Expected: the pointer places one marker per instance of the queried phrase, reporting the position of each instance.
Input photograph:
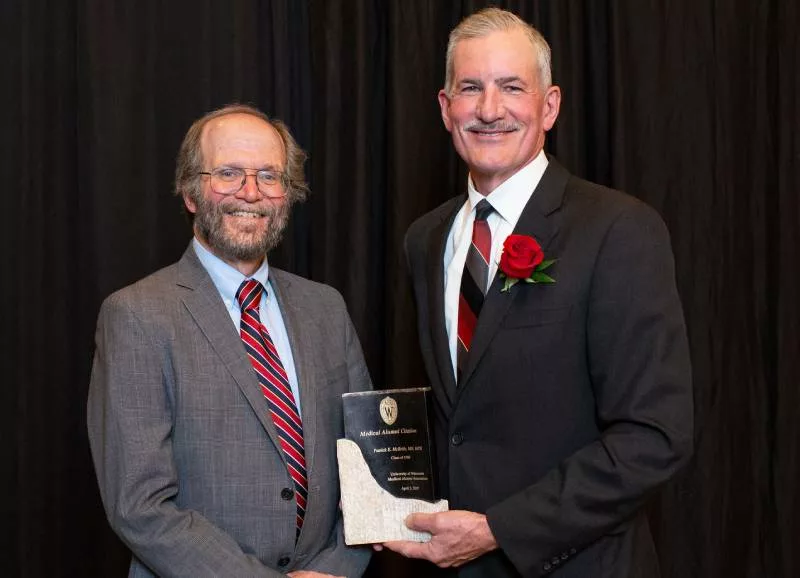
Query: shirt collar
(510, 198)
(227, 279)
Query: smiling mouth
(245, 214)
(491, 132)
(489, 136)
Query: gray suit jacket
(190, 470)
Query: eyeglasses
(230, 180)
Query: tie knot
(483, 209)
(249, 294)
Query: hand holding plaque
(386, 464)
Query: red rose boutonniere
(523, 260)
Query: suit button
(546, 567)
(564, 556)
(284, 561)
(555, 561)
(456, 439)
(573, 551)
(287, 494)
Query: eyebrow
(507, 79)
(464, 81)
(501, 80)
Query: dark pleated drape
(691, 105)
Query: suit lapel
(435, 276)
(207, 309)
(301, 343)
(537, 220)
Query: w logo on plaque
(388, 409)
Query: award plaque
(386, 464)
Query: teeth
(244, 214)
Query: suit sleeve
(641, 377)
(130, 424)
(337, 558)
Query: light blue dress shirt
(227, 281)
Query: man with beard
(214, 402)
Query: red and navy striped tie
(474, 281)
(275, 386)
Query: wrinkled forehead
(498, 54)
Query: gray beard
(208, 222)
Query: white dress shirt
(508, 200)
(227, 281)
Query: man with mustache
(552, 334)
(214, 402)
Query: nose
(249, 191)
(490, 105)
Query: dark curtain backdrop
(693, 105)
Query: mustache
(476, 125)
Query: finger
(406, 548)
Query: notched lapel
(538, 220)
(204, 304)
(435, 276)
(302, 344)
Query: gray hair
(491, 20)
(190, 155)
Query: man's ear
(550, 107)
(191, 206)
(444, 104)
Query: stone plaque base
(371, 514)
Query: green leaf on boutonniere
(545, 264)
(539, 277)
(508, 283)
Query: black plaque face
(391, 427)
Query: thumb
(420, 522)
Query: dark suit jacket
(576, 400)
(190, 468)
